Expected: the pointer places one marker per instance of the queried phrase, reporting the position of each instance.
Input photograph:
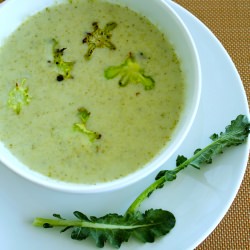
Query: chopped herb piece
(99, 38)
(130, 72)
(84, 115)
(19, 96)
(64, 68)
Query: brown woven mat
(229, 20)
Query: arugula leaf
(146, 227)
(113, 228)
(235, 134)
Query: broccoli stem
(99, 38)
(18, 97)
(84, 115)
(130, 72)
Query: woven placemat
(229, 20)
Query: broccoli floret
(84, 115)
(64, 68)
(18, 97)
(130, 72)
(99, 38)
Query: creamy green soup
(133, 123)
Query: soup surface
(44, 64)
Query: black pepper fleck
(60, 78)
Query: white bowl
(14, 12)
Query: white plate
(198, 198)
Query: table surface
(229, 20)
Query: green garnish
(235, 134)
(64, 68)
(18, 97)
(113, 228)
(130, 72)
(99, 38)
(146, 227)
(84, 115)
